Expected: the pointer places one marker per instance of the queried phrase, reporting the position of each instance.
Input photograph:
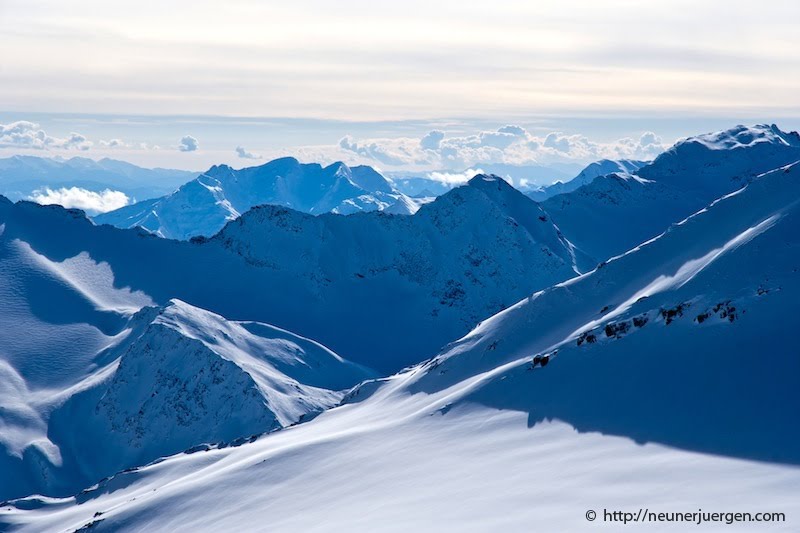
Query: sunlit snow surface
(666, 379)
(95, 378)
(366, 468)
(203, 205)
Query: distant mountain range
(423, 185)
(203, 206)
(603, 167)
(21, 175)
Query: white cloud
(383, 153)
(509, 145)
(76, 141)
(456, 178)
(244, 154)
(75, 197)
(24, 134)
(556, 141)
(29, 135)
(432, 140)
(514, 130)
(113, 143)
(497, 139)
(648, 146)
(188, 144)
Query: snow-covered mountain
(95, 379)
(603, 167)
(424, 185)
(644, 382)
(419, 186)
(203, 206)
(21, 175)
(461, 258)
(614, 213)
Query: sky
(410, 85)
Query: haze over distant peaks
(203, 206)
(21, 175)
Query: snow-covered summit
(741, 136)
(159, 382)
(610, 215)
(203, 206)
(717, 162)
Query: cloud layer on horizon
(28, 135)
(510, 144)
(79, 198)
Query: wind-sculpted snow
(461, 258)
(203, 206)
(614, 213)
(660, 343)
(666, 378)
(95, 380)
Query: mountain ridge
(612, 214)
(202, 207)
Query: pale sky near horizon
(462, 67)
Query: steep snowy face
(687, 340)
(183, 377)
(464, 256)
(93, 379)
(203, 206)
(614, 213)
(594, 170)
(717, 163)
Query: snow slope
(461, 258)
(614, 213)
(94, 379)
(204, 205)
(670, 382)
(594, 170)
